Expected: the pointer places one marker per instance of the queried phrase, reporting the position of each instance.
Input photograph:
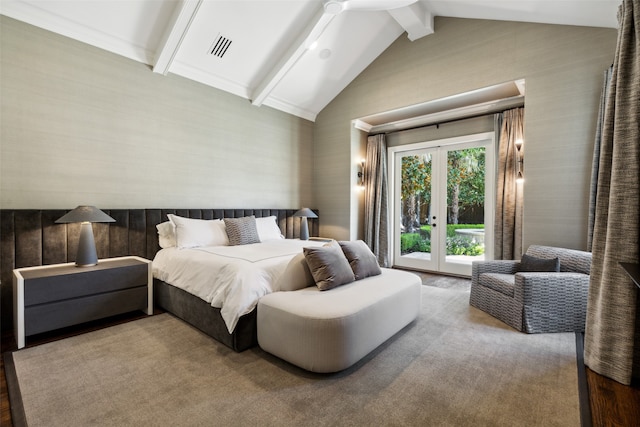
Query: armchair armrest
(497, 266)
(552, 302)
(563, 288)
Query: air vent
(220, 46)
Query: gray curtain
(596, 156)
(611, 334)
(376, 206)
(509, 199)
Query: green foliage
(456, 244)
(414, 242)
(416, 176)
(465, 173)
(465, 183)
(459, 245)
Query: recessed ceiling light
(324, 53)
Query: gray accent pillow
(362, 261)
(242, 231)
(532, 264)
(328, 266)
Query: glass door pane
(465, 214)
(414, 204)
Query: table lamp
(304, 213)
(85, 215)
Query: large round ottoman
(328, 331)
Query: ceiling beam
(172, 39)
(302, 43)
(415, 19)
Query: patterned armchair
(535, 302)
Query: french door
(443, 200)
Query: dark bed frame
(31, 237)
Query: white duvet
(231, 278)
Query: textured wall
(84, 126)
(563, 69)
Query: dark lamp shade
(86, 256)
(305, 212)
(85, 214)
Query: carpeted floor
(447, 282)
(454, 366)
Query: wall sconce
(361, 174)
(304, 213)
(520, 160)
(85, 215)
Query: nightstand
(50, 297)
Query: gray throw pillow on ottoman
(362, 261)
(328, 266)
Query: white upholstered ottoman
(328, 331)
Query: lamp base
(304, 229)
(86, 256)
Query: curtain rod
(437, 124)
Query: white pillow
(296, 276)
(193, 233)
(268, 229)
(166, 234)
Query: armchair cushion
(500, 282)
(531, 263)
(497, 266)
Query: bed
(31, 237)
(228, 263)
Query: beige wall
(563, 69)
(83, 126)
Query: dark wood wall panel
(31, 238)
(137, 233)
(28, 238)
(54, 242)
(118, 240)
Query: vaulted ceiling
(292, 55)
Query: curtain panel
(612, 325)
(509, 198)
(376, 204)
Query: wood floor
(612, 404)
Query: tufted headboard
(31, 237)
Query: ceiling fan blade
(374, 5)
